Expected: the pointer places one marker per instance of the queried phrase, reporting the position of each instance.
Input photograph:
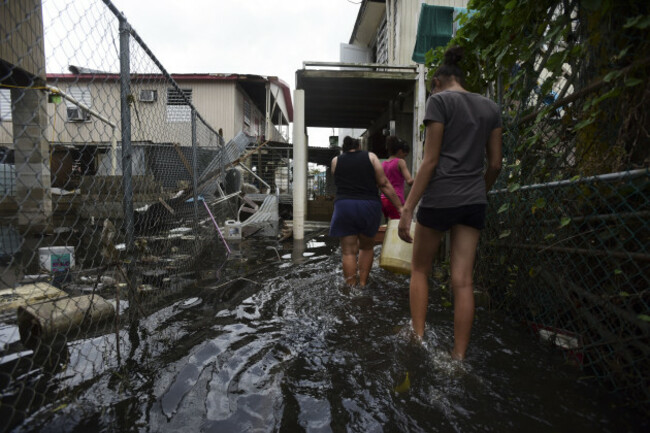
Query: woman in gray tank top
(462, 129)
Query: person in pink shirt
(397, 173)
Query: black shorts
(442, 219)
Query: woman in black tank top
(357, 208)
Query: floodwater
(271, 341)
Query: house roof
(254, 85)
(368, 19)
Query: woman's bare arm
(383, 183)
(405, 172)
(432, 146)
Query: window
(381, 47)
(74, 112)
(178, 108)
(5, 105)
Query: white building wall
(215, 100)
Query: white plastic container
(395, 253)
(232, 230)
(56, 259)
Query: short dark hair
(350, 143)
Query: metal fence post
(127, 157)
(125, 115)
(195, 170)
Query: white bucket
(395, 253)
(56, 259)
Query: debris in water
(404, 386)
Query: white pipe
(255, 175)
(601, 177)
(299, 165)
(90, 111)
(114, 152)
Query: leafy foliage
(570, 78)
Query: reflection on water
(268, 345)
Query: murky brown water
(288, 348)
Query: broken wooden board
(11, 299)
(47, 321)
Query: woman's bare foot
(457, 356)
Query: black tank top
(354, 177)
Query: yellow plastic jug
(395, 253)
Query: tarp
(435, 29)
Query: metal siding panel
(214, 100)
(229, 111)
(25, 47)
(238, 113)
(408, 30)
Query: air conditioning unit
(148, 95)
(76, 114)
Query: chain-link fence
(112, 184)
(566, 248)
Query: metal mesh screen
(566, 245)
(111, 186)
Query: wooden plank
(184, 160)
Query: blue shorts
(442, 219)
(353, 217)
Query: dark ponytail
(450, 66)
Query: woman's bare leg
(366, 257)
(349, 250)
(464, 240)
(425, 247)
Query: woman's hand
(404, 227)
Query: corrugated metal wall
(22, 19)
(216, 102)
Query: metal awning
(354, 97)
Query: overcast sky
(264, 37)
